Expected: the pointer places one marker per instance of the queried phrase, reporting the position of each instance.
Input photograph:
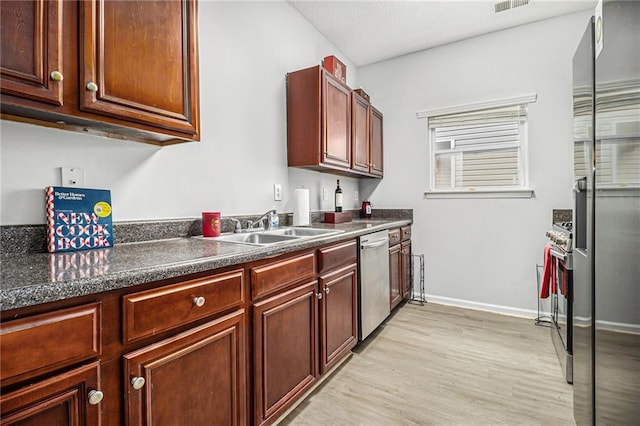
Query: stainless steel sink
(281, 235)
(256, 238)
(304, 232)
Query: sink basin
(304, 232)
(256, 238)
(280, 235)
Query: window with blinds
(483, 149)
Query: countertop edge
(41, 293)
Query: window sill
(479, 193)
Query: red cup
(211, 224)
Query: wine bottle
(338, 197)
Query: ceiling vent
(509, 4)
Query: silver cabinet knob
(95, 397)
(327, 290)
(56, 76)
(138, 382)
(92, 87)
(199, 301)
(319, 296)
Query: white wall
(480, 251)
(246, 48)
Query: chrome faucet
(254, 226)
(251, 225)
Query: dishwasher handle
(374, 244)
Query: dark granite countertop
(29, 279)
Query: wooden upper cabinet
(126, 69)
(375, 129)
(318, 121)
(359, 133)
(31, 59)
(331, 128)
(336, 122)
(139, 62)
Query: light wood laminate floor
(442, 365)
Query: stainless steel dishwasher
(374, 297)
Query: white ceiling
(369, 31)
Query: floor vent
(509, 4)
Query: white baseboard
(505, 310)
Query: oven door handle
(559, 255)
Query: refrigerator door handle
(580, 184)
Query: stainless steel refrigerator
(606, 106)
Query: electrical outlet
(325, 194)
(277, 192)
(72, 176)
(357, 196)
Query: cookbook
(78, 218)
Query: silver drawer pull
(95, 397)
(138, 382)
(199, 301)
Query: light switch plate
(357, 197)
(72, 176)
(277, 192)
(325, 194)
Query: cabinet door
(406, 269)
(359, 133)
(338, 315)
(31, 34)
(395, 275)
(285, 347)
(71, 398)
(147, 70)
(376, 142)
(194, 378)
(336, 122)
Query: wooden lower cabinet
(338, 315)
(395, 275)
(285, 342)
(405, 250)
(71, 398)
(194, 378)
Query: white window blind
(482, 149)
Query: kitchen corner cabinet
(61, 66)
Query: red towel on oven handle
(549, 275)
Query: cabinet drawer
(43, 343)
(394, 236)
(337, 255)
(269, 278)
(405, 232)
(150, 312)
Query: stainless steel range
(561, 294)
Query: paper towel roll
(301, 207)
